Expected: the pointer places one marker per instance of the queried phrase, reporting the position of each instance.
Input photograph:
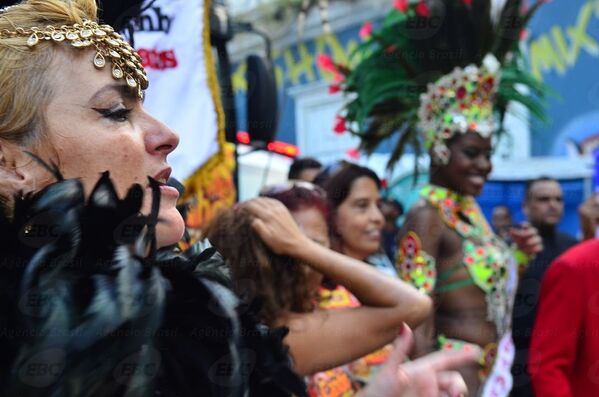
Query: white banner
(169, 36)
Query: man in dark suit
(543, 205)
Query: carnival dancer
(441, 74)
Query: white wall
(258, 169)
(315, 112)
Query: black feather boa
(88, 308)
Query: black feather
(111, 321)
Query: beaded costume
(487, 258)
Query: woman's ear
(18, 171)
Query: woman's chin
(170, 228)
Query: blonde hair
(24, 75)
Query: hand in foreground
(527, 239)
(588, 213)
(430, 376)
(275, 226)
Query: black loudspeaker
(262, 103)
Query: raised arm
(326, 339)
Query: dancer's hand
(433, 375)
(527, 239)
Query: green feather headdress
(400, 68)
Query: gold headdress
(109, 45)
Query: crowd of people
(312, 289)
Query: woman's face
(359, 221)
(95, 124)
(314, 225)
(469, 165)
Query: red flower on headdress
(384, 184)
(467, 2)
(366, 30)
(326, 63)
(422, 9)
(334, 88)
(488, 84)
(353, 153)
(339, 125)
(401, 5)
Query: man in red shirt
(564, 351)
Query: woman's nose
(159, 138)
(484, 163)
(376, 215)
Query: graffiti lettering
(303, 66)
(295, 67)
(547, 54)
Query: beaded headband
(458, 102)
(126, 62)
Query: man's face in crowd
(502, 220)
(390, 213)
(544, 205)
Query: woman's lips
(373, 234)
(169, 191)
(477, 180)
(166, 191)
(163, 175)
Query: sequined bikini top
(486, 257)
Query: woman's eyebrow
(121, 89)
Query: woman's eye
(362, 205)
(119, 114)
(470, 153)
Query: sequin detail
(415, 266)
(486, 257)
(487, 356)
